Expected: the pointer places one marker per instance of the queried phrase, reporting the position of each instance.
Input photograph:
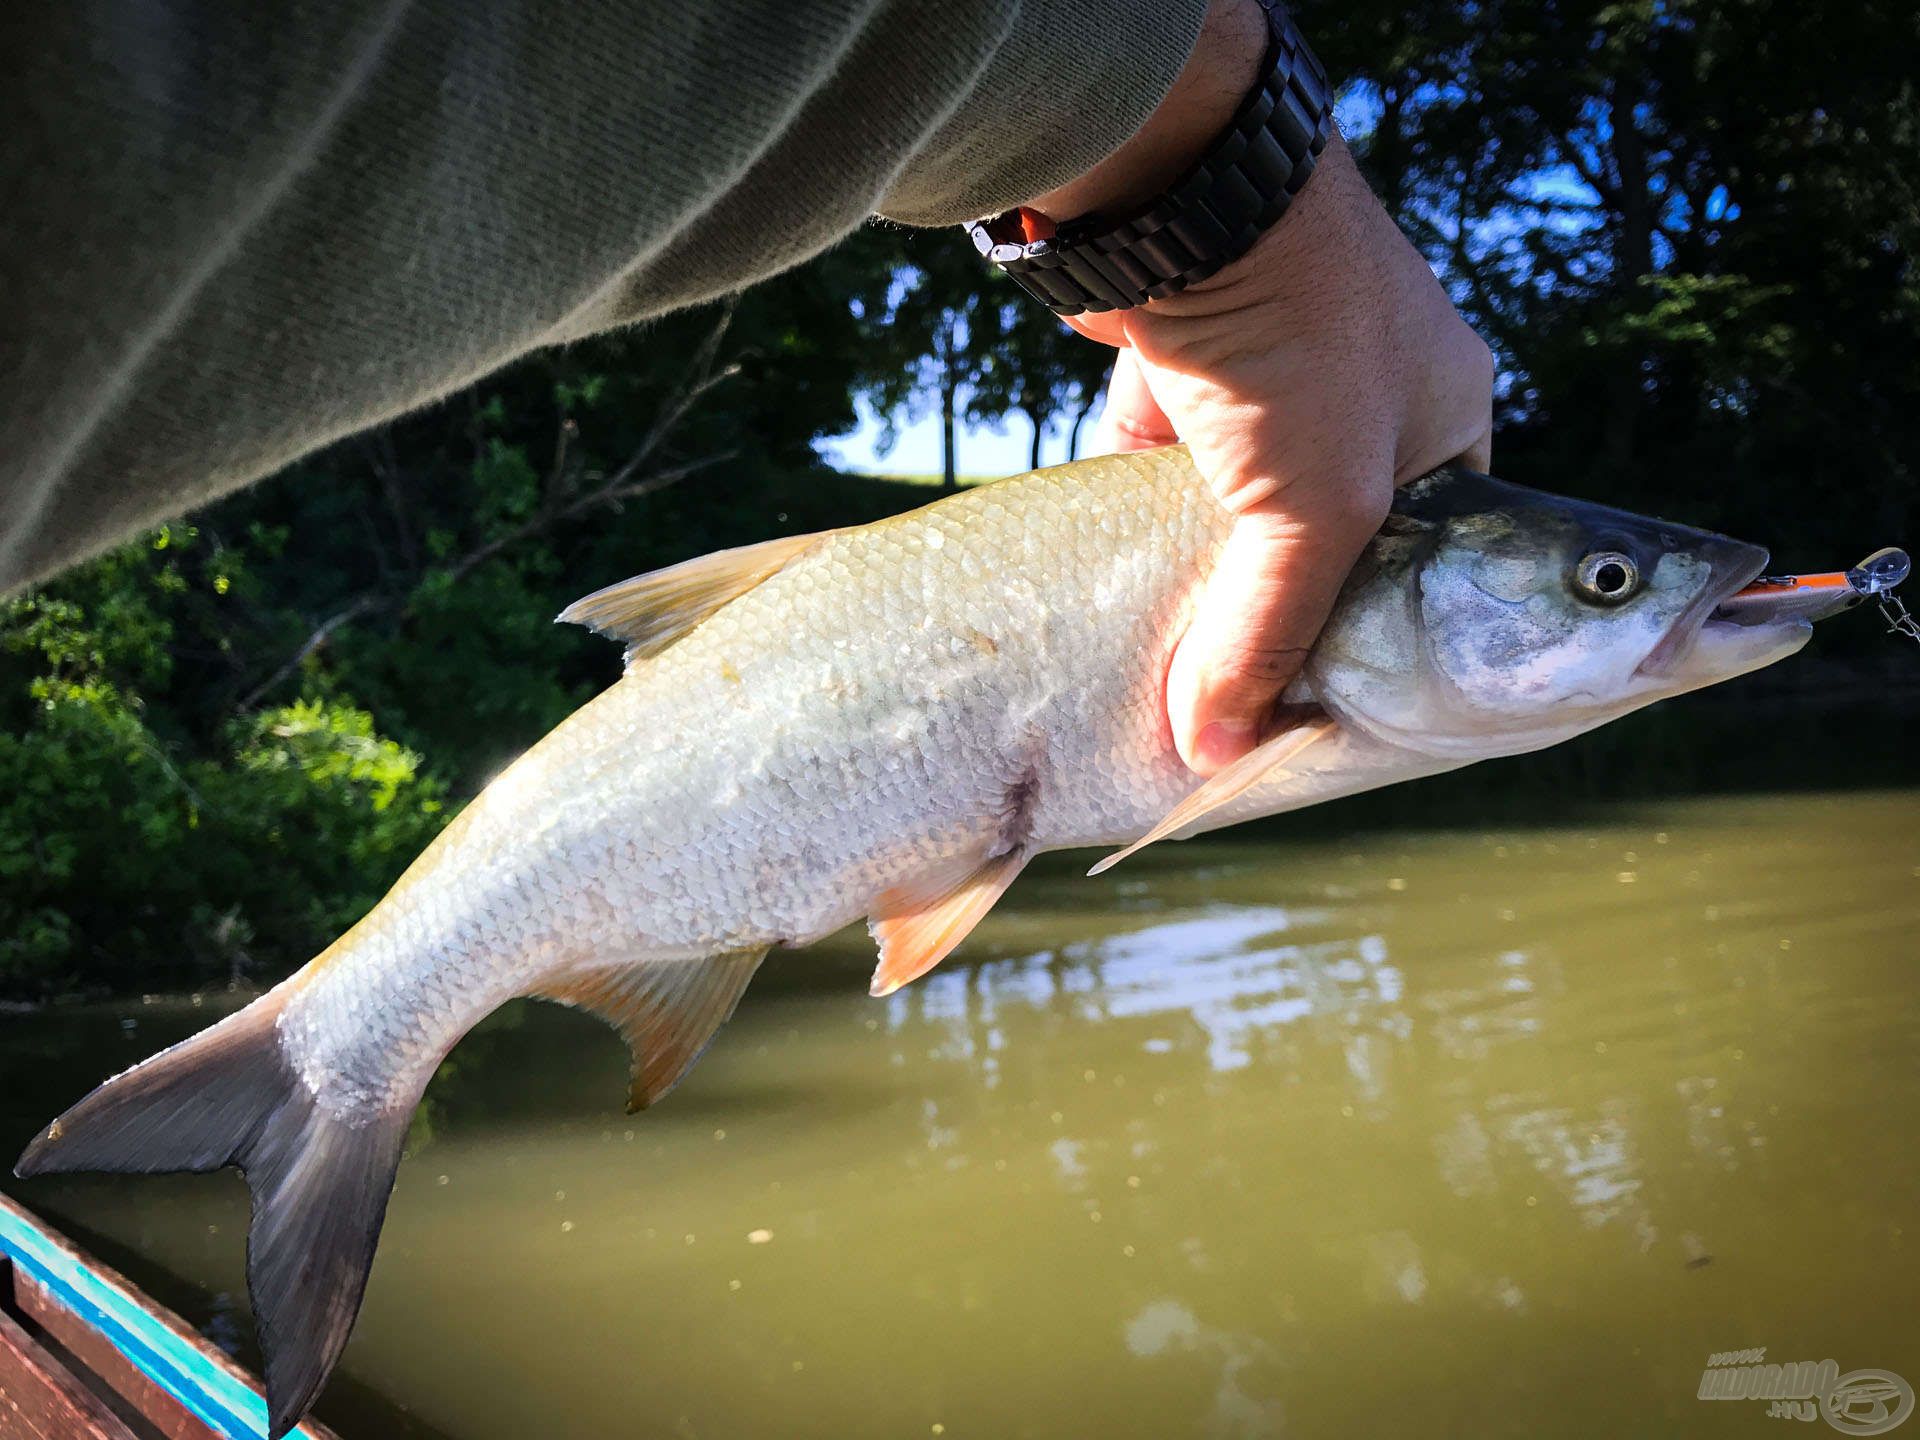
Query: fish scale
(827, 767)
(886, 721)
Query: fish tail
(320, 1182)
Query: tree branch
(365, 605)
(559, 500)
(566, 428)
(703, 379)
(613, 493)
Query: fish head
(1489, 619)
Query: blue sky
(984, 450)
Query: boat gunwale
(159, 1346)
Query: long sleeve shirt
(231, 231)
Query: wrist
(1226, 193)
(1335, 233)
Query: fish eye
(1607, 577)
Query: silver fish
(887, 721)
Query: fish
(886, 721)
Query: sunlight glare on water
(1464, 1132)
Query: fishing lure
(1817, 596)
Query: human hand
(1309, 377)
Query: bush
(129, 861)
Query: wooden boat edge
(152, 1343)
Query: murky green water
(1441, 1133)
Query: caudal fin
(320, 1185)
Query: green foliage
(129, 859)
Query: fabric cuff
(1072, 81)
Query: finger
(1258, 615)
(1468, 443)
(1479, 455)
(1454, 425)
(1133, 419)
(1108, 327)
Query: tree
(1037, 367)
(927, 332)
(950, 333)
(1688, 227)
(1688, 230)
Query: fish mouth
(1736, 565)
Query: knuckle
(1359, 507)
(1136, 431)
(1338, 505)
(1349, 510)
(1482, 360)
(1471, 358)
(1250, 671)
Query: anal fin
(666, 1010)
(1263, 762)
(918, 924)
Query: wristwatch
(1209, 217)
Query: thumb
(1261, 610)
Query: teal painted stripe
(226, 1406)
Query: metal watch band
(1208, 218)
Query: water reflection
(1468, 1120)
(1167, 1325)
(1220, 970)
(1229, 983)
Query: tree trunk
(1632, 262)
(1635, 259)
(1079, 419)
(1039, 430)
(949, 388)
(949, 468)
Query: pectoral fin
(917, 925)
(666, 1010)
(1264, 762)
(652, 611)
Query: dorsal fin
(666, 1010)
(652, 611)
(918, 924)
(1263, 762)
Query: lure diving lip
(1814, 597)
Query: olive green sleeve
(236, 231)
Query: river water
(1450, 1132)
